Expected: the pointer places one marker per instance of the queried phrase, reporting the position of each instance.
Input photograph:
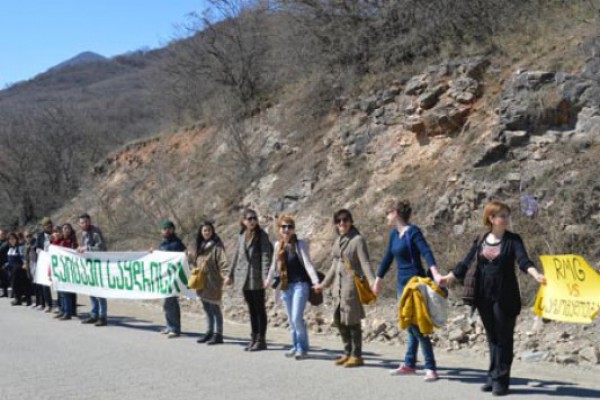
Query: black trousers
(4, 280)
(46, 296)
(21, 284)
(39, 294)
(500, 330)
(258, 312)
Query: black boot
(251, 342)
(260, 344)
(205, 338)
(216, 339)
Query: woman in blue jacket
(407, 245)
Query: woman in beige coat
(349, 312)
(210, 256)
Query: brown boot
(342, 360)
(354, 362)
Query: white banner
(123, 275)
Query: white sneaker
(290, 353)
(431, 376)
(301, 356)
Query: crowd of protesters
(258, 265)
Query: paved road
(41, 358)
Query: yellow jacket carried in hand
(412, 309)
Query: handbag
(196, 280)
(365, 294)
(198, 275)
(316, 298)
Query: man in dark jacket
(93, 240)
(171, 304)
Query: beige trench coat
(341, 280)
(214, 262)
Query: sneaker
(164, 331)
(172, 335)
(354, 362)
(487, 387)
(58, 316)
(290, 353)
(101, 322)
(15, 303)
(65, 318)
(403, 370)
(90, 320)
(301, 356)
(48, 309)
(431, 376)
(342, 360)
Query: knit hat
(45, 221)
(167, 223)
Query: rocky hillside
(449, 139)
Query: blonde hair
(492, 209)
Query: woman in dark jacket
(497, 296)
(18, 272)
(252, 259)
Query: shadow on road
(521, 386)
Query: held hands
(376, 286)
(318, 288)
(449, 278)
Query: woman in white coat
(294, 273)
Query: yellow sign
(572, 291)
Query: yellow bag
(196, 280)
(365, 294)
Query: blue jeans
(214, 318)
(98, 307)
(415, 337)
(172, 314)
(66, 303)
(295, 298)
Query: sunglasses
(343, 221)
(286, 227)
(251, 219)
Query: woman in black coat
(497, 296)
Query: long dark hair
(200, 239)
(341, 214)
(72, 237)
(13, 235)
